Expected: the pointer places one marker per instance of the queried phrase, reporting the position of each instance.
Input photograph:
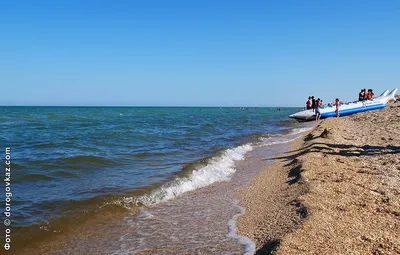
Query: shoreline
(340, 184)
(271, 202)
(114, 234)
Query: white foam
(248, 244)
(281, 139)
(273, 141)
(145, 215)
(300, 130)
(218, 169)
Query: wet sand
(336, 192)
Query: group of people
(364, 95)
(316, 106)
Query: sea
(170, 174)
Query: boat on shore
(349, 108)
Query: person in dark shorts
(313, 103)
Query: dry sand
(336, 193)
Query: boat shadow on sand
(346, 150)
(295, 165)
(339, 149)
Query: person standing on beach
(337, 105)
(309, 103)
(313, 103)
(318, 106)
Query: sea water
(72, 163)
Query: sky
(196, 53)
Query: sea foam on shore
(220, 168)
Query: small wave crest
(301, 130)
(64, 174)
(33, 177)
(75, 162)
(274, 141)
(292, 135)
(219, 168)
(86, 159)
(46, 145)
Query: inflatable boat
(349, 108)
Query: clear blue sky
(208, 52)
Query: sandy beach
(336, 192)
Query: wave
(62, 161)
(63, 174)
(278, 139)
(219, 168)
(74, 163)
(285, 137)
(46, 145)
(87, 159)
(15, 166)
(153, 154)
(33, 177)
(288, 123)
(300, 130)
